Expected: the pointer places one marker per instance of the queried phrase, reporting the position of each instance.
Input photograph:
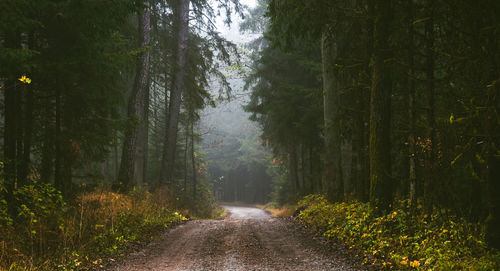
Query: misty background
(237, 161)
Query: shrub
(404, 239)
(34, 231)
(49, 234)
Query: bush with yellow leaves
(404, 239)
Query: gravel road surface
(248, 239)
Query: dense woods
(391, 106)
(103, 96)
(98, 86)
(383, 101)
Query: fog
(230, 141)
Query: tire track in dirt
(238, 244)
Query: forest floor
(247, 239)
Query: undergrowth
(203, 206)
(405, 239)
(50, 234)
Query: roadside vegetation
(405, 239)
(90, 231)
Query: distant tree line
(237, 160)
(383, 100)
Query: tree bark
(47, 164)
(11, 111)
(381, 186)
(411, 106)
(292, 169)
(57, 144)
(142, 144)
(130, 155)
(145, 136)
(193, 162)
(311, 173)
(20, 93)
(359, 148)
(169, 151)
(303, 176)
(10, 127)
(115, 156)
(363, 125)
(27, 136)
(331, 86)
(186, 145)
(430, 161)
(68, 160)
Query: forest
(374, 122)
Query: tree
(287, 102)
(136, 109)
(169, 149)
(430, 186)
(70, 65)
(332, 85)
(411, 105)
(381, 184)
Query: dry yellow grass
(103, 206)
(282, 211)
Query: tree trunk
(27, 135)
(365, 159)
(10, 127)
(68, 160)
(358, 148)
(20, 93)
(381, 186)
(292, 167)
(145, 135)
(312, 188)
(142, 145)
(186, 145)
(141, 162)
(361, 136)
(193, 162)
(303, 172)
(331, 85)
(47, 153)
(430, 161)
(360, 164)
(169, 151)
(130, 159)
(115, 157)
(11, 111)
(57, 144)
(411, 106)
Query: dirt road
(249, 239)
